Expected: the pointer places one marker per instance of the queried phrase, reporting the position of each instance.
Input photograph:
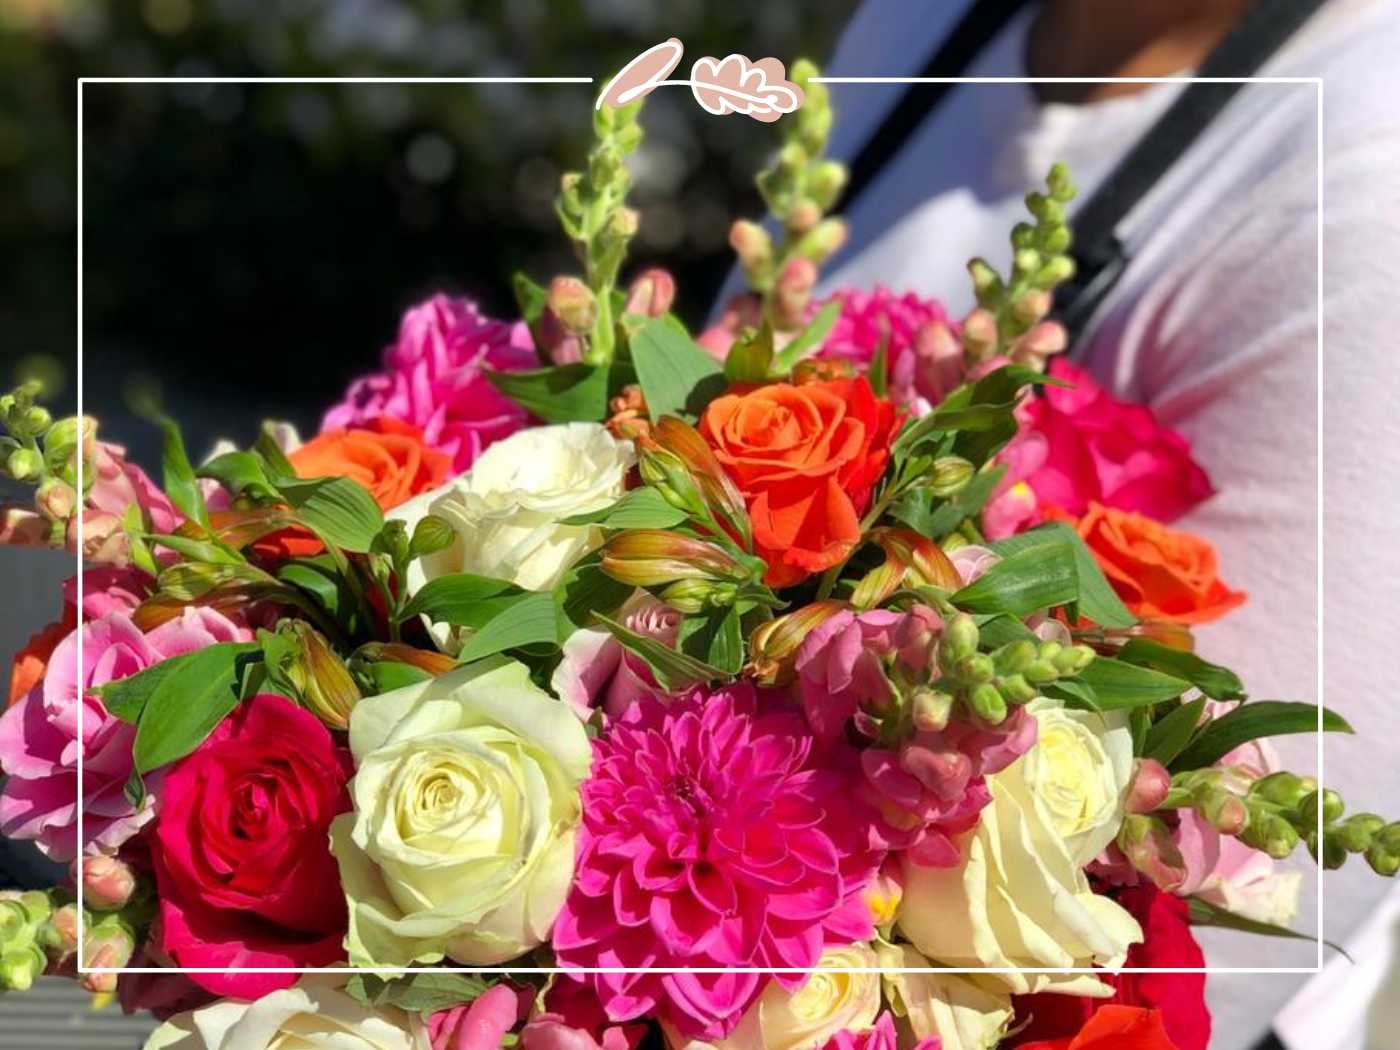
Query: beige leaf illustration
(733, 84)
(644, 73)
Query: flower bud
(932, 709)
(1356, 832)
(977, 667)
(108, 882)
(938, 360)
(1044, 340)
(1283, 789)
(717, 488)
(107, 944)
(59, 936)
(1270, 833)
(327, 689)
(24, 464)
(802, 216)
(56, 500)
(1384, 852)
(752, 245)
(949, 476)
(960, 637)
(1016, 689)
(985, 282)
(773, 645)
(21, 527)
(1327, 801)
(20, 967)
(104, 538)
(825, 182)
(1031, 306)
(651, 293)
(1150, 785)
(665, 472)
(823, 241)
(624, 223)
(651, 557)
(792, 292)
(942, 770)
(987, 703)
(573, 303)
(433, 663)
(1225, 812)
(980, 334)
(693, 596)
(1147, 843)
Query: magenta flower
(433, 378)
(840, 667)
(39, 735)
(712, 836)
(478, 1025)
(881, 1037)
(923, 354)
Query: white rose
(1079, 771)
(466, 802)
(965, 1013)
(316, 1014)
(507, 508)
(1020, 899)
(826, 1003)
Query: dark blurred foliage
(250, 247)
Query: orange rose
(806, 459)
(386, 456)
(1114, 1028)
(1159, 572)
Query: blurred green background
(250, 246)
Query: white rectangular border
(1317, 82)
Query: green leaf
(808, 341)
(462, 599)
(1204, 913)
(180, 482)
(196, 550)
(338, 510)
(563, 394)
(532, 299)
(188, 701)
(529, 619)
(384, 676)
(1074, 692)
(240, 473)
(879, 371)
(673, 670)
(998, 629)
(275, 462)
(1169, 737)
(1218, 683)
(320, 580)
(425, 992)
(1251, 721)
(1097, 599)
(750, 359)
(641, 508)
(1118, 686)
(930, 516)
(1038, 576)
(126, 698)
(586, 589)
(715, 639)
(677, 376)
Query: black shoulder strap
(1098, 251)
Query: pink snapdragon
(714, 835)
(39, 739)
(433, 377)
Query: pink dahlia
(433, 378)
(922, 351)
(712, 836)
(881, 1037)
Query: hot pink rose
(39, 735)
(1080, 444)
(242, 849)
(433, 378)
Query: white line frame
(392, 971)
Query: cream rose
(965, 1013)
(316, 1014)
(1020, 899)
(466, 801)
(827, 1003)
(507, 508)
(1079, 772)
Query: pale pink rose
(433, 377)
(39, 738)
(597, 672)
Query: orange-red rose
(806, 459)
(384, 455)
(1114, 1028)
(1159, 572)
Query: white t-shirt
(1214, 325)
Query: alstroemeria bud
(1147, 843)
(573, 303)
(651, 557)
(651, 293)
(717, 488)
(1150, 785)
(108, 882)
(693, 596)
(773, 645)
(327, 689)
(434, 663)
(665, 472)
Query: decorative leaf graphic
(735, 85)
(642, 74)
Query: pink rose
(597, 671)
(480, 1024)
(1080, 445)
(39, 735)
(433, 378)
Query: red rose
(242, 856)
(1180, 997)
(806, 459)
(1080, 444)
(1114, 1028)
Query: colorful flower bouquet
(824, 681)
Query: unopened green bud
(1057, 271)
(1073, 660)
(987, 703)
(430, 535)
(1356, 832)
(573, 303)
(960, 637)
(1382, 863)
(1040, 672)
(666, 472)
(24, 464)
(1225, 812)
(932, 709)
(1283, 788)
(977, 667)
(1270, 833)
(823, 241)
(950, 475)
(985, 282)
(693, 596)
(37, 420)
(825, 182)
(1016, 689)
(1016, 657)
(21, 967)
(1327, 801)
(1027, 260)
